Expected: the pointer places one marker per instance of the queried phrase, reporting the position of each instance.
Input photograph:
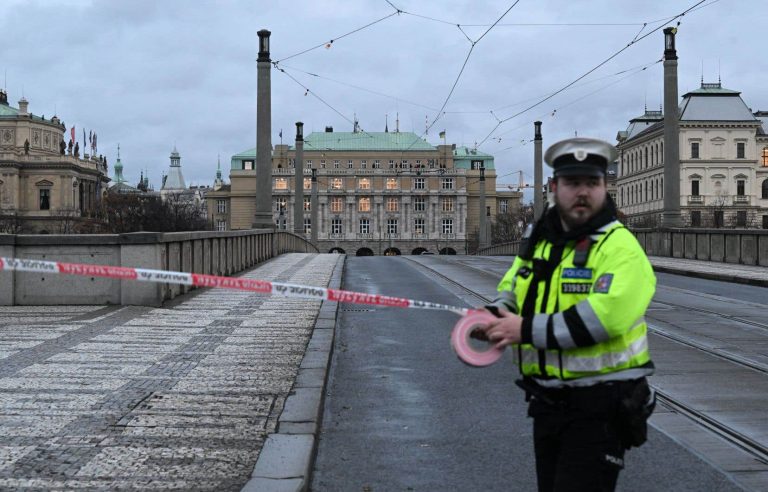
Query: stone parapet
(219, 253)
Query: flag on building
(95, 147)
(442, 134)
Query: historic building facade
(723, 163)
(44, 188)
(377, 192)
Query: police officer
(572, 305)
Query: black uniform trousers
(576, 434)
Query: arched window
(765, 188)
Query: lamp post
(313, 225)
(483, 239)
(298, 196)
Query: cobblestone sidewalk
(177, 398)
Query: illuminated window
(364, 204)
(280, 204)
(364, 183)
(393, 204)
(337, 204)
(447, 204)
(307, 183)
(307, 204)
(281, 184)
(765, 156)
(336, 183)
(418, 226)
(392, 183)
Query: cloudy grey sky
(149, 74)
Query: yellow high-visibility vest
(585, 324)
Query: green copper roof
(715, 88)
(8, 111)
(366, 141)
(463, 157)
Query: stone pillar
(538, 172)
(263, 216)
(313, 205)
(671, 215)
(483, 233)
(298, 193)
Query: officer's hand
(479, 332)
(505, 330)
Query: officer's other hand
(505, 330)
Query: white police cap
(580, 157)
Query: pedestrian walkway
(712, 270)
(181, 397)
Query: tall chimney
(23, 106)
(671, 215)
(298, 194)
(538, 172)
(263, 216)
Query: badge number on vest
(576, 288)
(580, 273)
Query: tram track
(752, 447)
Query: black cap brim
(579, 169)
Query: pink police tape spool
(461, 343)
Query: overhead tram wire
(458, 77)
(580, 98)
(371, 91)
(331, 41)
(611, 57)
(588, 82)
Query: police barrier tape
(461, 345)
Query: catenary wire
(611, 57)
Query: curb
(287, 457)
(722, 277)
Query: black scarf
(550, 227)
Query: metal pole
(538, 172)
(483, 239)
(298, 194)
(263, 217)
(671, 215)
(314, 224)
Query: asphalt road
(403, 413)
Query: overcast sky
(151, 74)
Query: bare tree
(510, 226)
(137, 212)
(10, 223)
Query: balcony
(741, 200)
(364, 235)
(695, 199)
(337, 235)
